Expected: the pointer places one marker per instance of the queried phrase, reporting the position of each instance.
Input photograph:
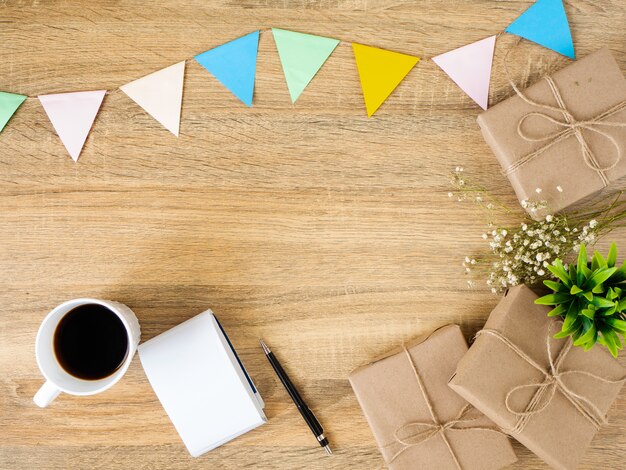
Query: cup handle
(46, 394)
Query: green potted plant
(591, 300)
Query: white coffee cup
(57, 379)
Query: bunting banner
(470, 68)
(380, 72)
(9, 103)
(301, 56)
(234, 65)
(160, 94)
(72, 116)
(545, 23)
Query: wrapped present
(565, 135)
(417, 420)
(548, 394)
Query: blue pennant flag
(546, 24)
(234, 65)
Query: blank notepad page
(202, 389)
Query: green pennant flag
(301, 56)
(9, 102)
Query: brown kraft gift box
(417, 420)
(554, 410)
(579, 145)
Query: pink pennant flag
(72, 115)
(470, 68)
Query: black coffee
(90, 342)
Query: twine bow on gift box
(570, 127)
(425, 430)
(552, 382)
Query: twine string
(552, 382)
(571, 126)
(428, 430)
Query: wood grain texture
(328, 234)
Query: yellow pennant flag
(380, 72)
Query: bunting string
(301, 55)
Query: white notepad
(201, 383)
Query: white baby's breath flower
(450, 194)
(538, 190)
(559, 189)
(593, 223)
(549, 218)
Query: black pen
(306, 413)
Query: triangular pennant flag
(545, 23)
(234, 65)
(301, 56)
(160, 94)
(72, 115)
(380, 72)
(470, 68)
(9, 102)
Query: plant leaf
(556, 286)
(582, 261)
(553, 299)
(609, 340)
(595, 264)
(586, 271)
(620, 274)
(559, 271)
(609, 311)
(570, 317)
(589, 313)
(599, 289)
(591, 335)
(600, 259)
(601, 302)
(599, 277)
(558, 310)
(612, 256)
(575, 290)
(561, 334)
(616, 324)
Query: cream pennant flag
(380, 72)
(470, 68)
(160, 94)
(72, 115)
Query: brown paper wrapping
(588, 87)
(490, 370)
(390, 397)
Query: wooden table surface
(326, 233)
